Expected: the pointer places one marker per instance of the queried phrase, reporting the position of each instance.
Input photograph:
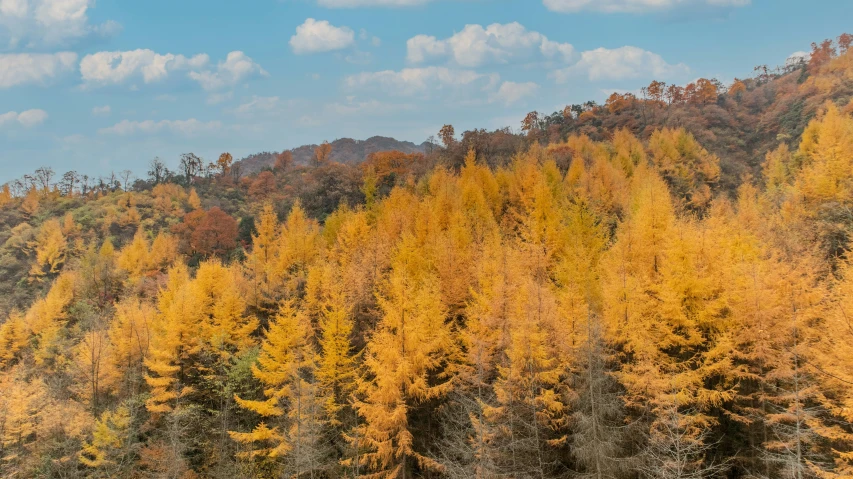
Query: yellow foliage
(108, 436)
(193, 200)
(50, 248)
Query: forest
(655, 287)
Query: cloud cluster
(633, 6)
(413, 81)
(316, 36)
(110, 68)
(35, 23)
(476, 45)
(23, 68)
(114, 68)
(181, 127)
(370, 3)
(27, 119)
(619, 64)
(102, 110)
(510, 93)
(237, 67)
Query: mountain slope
(344, 150)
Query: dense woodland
(657, 287)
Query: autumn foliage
(607, 306)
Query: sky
(108, 85)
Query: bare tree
(191, 165)
(44, 177)
(69, 183)
(599, 429)
(156, 171)
(84, 185)
(126, 176)
(678, 446)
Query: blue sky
(108, 85)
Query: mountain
(344, 150)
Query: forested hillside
(344, 150)
(657, 287)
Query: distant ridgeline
(344, 150)
(657, 287)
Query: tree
(215, 233)
(287, 368)
(224, 163)
(263, 187)
(130, 339)
(409, 352)
(283, 161)
(50, 250)
(821, 54)
(157, 171)
(337, 371)
(322, 153)
(193, 200)
(174, 340)
(737, 89)
(447, 134)
(109, 441)
(706, 91)
(43, 179)
(844, 42)
(191, 165)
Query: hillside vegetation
(656, 287)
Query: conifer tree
(407, 362)
(287, 367)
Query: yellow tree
(174, 341)
(50, 249)
(109, 441)
(661, 308)
(407, 363)
(262, 261)
(528, 402)
(298, 245)
(690, 169)
(46, 320)
(827, 147)
(193, 200)
(134, 257)
(22, 410)
(14, 336)
(833, 359)
(130, 337)
(287, 367)
(336, 370)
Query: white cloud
(27, 119)
(22, 68)
(411, 81)
(475, 46)
(102, 110)
(237, 67)
(633, 6)
(48, 22)
(315, 36)
(217, 98)
(359, 58)
(114, 68)
(621, 63)
(106, 68)
(182, 127)
(370, 3)
(512, 92)
(331, 113)
(258, 104)
(797, 58)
